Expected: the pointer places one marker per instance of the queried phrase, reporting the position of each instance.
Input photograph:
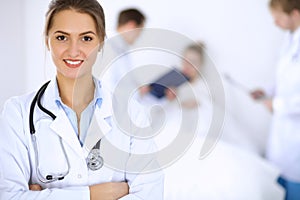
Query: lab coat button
(79, 176)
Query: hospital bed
(227, 173)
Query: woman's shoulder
(18, 102)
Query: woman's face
(73, 43)
(191, 64)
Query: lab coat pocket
(50, 151)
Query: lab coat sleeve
(269, 89)
(15, 170)
(288, 106)
(145, 185)
(144, 175)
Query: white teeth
(73, 62)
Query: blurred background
(240, 39)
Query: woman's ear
(100, 46)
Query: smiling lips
(73, 63)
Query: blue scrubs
(292, 189)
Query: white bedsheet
(228, 173)
(232, 171)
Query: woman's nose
(74, 49)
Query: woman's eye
(61, 38)
(87, 38)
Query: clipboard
(173, 78)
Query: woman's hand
(144, 90)
(258, 94)
(261, 96)
(104, 191)
(109, 191)
(268, 104)
(35, 187)
(171, 93)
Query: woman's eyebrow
(84, 33)
(87, 32)
(62, 32)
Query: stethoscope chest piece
(94, 160)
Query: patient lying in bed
(228, 172)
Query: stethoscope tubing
(36, 100)
(93, 164)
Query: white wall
(240, 36)
(12, 79)
(37, 63)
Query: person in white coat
(130, 25)
(283, 148)
(66, 141)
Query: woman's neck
(76, 93)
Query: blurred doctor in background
(129, 27)
(284, 99)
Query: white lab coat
(117, 66)
(18, 163)
(284, 145)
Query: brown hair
(131, 14)
(197, 47)
(91, 7)
(286, 5)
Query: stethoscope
(94, 159)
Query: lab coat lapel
(62, 127)
(99, 127)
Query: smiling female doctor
(63, 142)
